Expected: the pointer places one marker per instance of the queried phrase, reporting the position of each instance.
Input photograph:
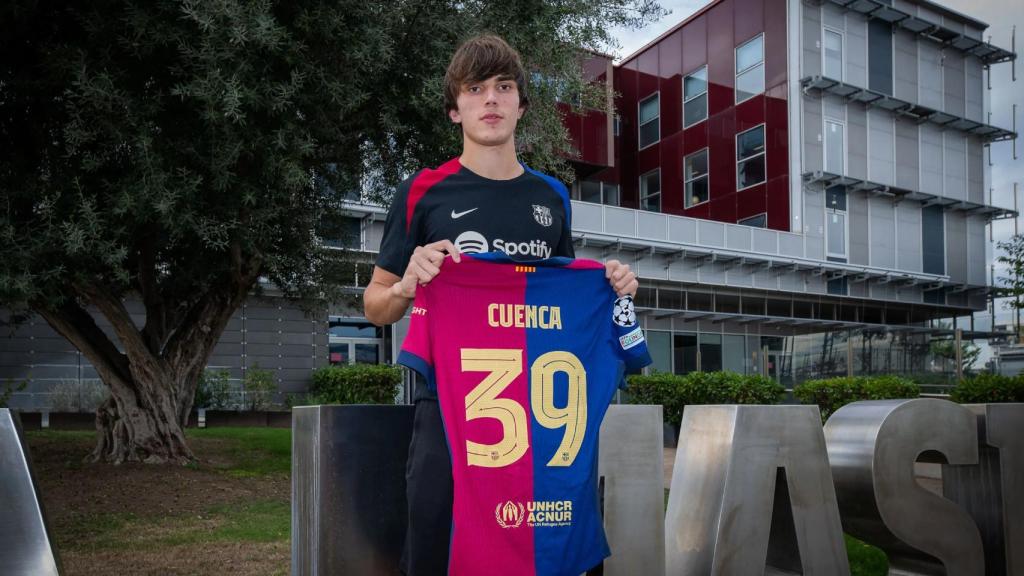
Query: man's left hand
(621, 278)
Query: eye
(473, 89)
(505, 87)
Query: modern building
(800, 185)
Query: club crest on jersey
(509, 514)
(623, 313)
(542, 214)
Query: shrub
(355, 384)
(78, 396)
(260, 387)
(656, 388)
(674, 392)
(213, 391)
(832, 394)
(988, 388)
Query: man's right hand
(424, 265)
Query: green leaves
(183, 139)
(674, 392)
(832, 394)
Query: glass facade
(793, 359)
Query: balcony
(902, 108)
(945, 37)
(671, 238)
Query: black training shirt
(527, 217)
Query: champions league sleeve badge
(623, 313)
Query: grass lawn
(228, 513)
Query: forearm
(384, 304)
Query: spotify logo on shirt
(472, 242)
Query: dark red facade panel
(709, 39)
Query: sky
(1002, 16)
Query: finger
(442, 246)
(621, 273)
(452, 249)
(610, 266)
(424, 270)
(435, 258)
(630, 288)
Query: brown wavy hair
(478, 59)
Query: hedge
(833, 393)
(675, 391)
(988, 388)
(355, 384)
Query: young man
(481, 201)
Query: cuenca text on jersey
(524, 316)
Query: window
(650, 127)
(617, 125)
(650, 191)
(750, 68)
(684, 352)
(836, 223)
(880, 56)
(833, 54)
(750, 158)
(598, 192)
(342, 232)
(695, 97)
(835, 157)
(933, 242)
(695, 175)
(838, 286)
(759, 221)
(710, 352)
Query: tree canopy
(179, 151)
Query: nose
(491, 94)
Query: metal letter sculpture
(630, 462)
(728, 468)
(872, 447)
(25, 543)
(348, 489)
(993, 492)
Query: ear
(455, 117)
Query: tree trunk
(152, 382)
(141, 422)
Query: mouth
(491, 117)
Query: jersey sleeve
(417, 349)
(399, 239)
(631, 345)
(565, 246)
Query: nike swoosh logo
(461, 214)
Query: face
(488, 111)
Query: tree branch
(124, 327)
(78, 326)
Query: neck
(494, 162)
